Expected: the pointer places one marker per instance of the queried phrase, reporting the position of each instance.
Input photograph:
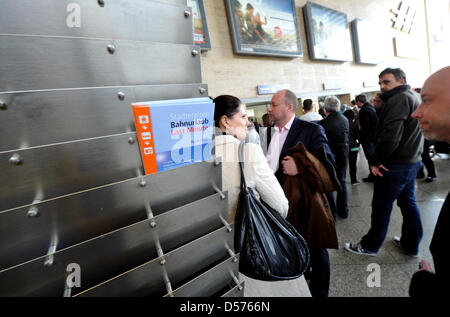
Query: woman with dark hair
(230, 119)
(231, 129)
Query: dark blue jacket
(310, 134)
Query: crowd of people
(390, 129)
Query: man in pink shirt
(288, 130)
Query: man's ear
(291, 107)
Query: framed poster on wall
(201, 34)
(364, 37)
(264, 27)
(327, 33)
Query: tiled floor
(350, 272)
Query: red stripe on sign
(144, 131)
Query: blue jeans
(396, 184)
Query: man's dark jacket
(398, 139)
(368, 122)
(310, 134)
(337, 129)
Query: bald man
(434, 117)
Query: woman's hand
(289, 166)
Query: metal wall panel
(37, 63)
(212, 282)
(140, 20)
(72, 189)
(23, 238)
(116, 252)
(237, 291)
(42, 117)
(179, 265)
(47, 172)
(82, 216)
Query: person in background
(309, 114)
(353, 145)
(231, 124)
(395, 163)
(266, 121)
(426, 157)
(367, 119)
(252, 135)
(321, 111)
(434, 117)
(336, 128)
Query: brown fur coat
(309, 211)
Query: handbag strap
(241, 164)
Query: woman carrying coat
(232, 126)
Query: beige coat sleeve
(261, 177)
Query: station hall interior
(83, 186)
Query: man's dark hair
(307, 104)
(397, 72)
(225, 105)
(361, 98)
(350, 114)
(249, 6)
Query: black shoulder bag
(270, 248)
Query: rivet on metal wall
(101, 3)
(121, 95)
(15, 159)
(49, 261)
(162, 262)
(131, 140)
(111, 48)
(194, 52)
(202, 90)
(153, 224)
(142, 183)
(3, 106)
(33, 212)
(187, 14)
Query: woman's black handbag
(270, 248)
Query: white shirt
(276, 144)
(311, 116)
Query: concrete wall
(228, 73)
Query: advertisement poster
(174, 133)
(364, 35)
(264, 27)
(201, 34)
(328, 33)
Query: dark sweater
(398, 139)
(368, 122)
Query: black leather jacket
(336, 127)
(398, 139)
